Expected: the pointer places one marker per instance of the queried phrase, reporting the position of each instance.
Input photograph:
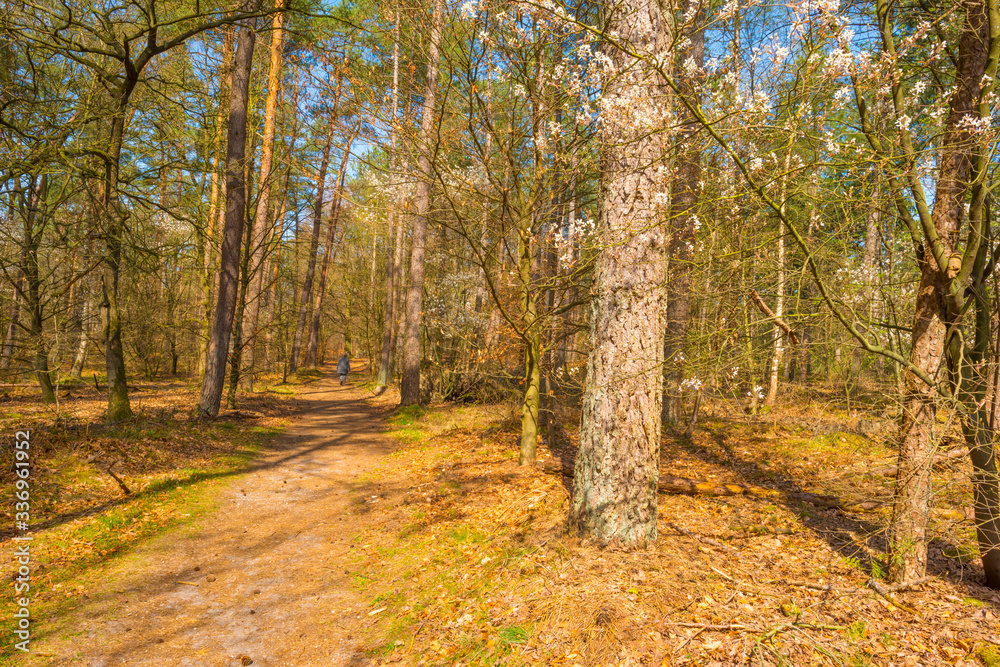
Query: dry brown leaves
(472, 564)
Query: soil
(265, 579)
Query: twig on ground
(706, 540)
(887, 594)
(110, 471)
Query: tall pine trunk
(409, 389)
(218, 347)
(259, 236)
(938, 307)
(394, 263)
(208, 275)
(617, 464)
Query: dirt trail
(271, 565)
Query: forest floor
(366, 535)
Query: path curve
(271, 566)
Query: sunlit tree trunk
(394, 264)
(778, 351)
(259, 237)
(410, 385)
(938, 306)
(212, 224)
(617, 464)
(80, 357)
(229, 261)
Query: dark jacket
(343, 366)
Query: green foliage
(989, 655)
(856, 631)
(514, 634)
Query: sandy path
(271, 565)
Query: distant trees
(507, 200)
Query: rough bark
(614, 490)
(218, 347)
(932, 316)
(409, 390)
(211, 226)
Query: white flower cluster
(691, 384)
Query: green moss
(989, 655)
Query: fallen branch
(780, 323)
(700, 487)
(706, 540)
(826, 588)
(886, 593)
(128, 491)
(944, 457)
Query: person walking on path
(343, 368)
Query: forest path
(271, 564)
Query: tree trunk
(409, 389)
(119, 408)
(34, 220)
(212, 224)
(15, 316)
(395, 221)
(218, 347)
(932, 315)
(779, 304)
(685, 194)
(81, 348)
(331, 232)
(614, 490)
(531, 400)
(307, 284)
(259, 236)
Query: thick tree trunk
(331, 233)
(614, 490)
(409, 389)
(118, 403)
(259, 237)
(218, 347)
(307, 283)
(211, 226)
(932, 316)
